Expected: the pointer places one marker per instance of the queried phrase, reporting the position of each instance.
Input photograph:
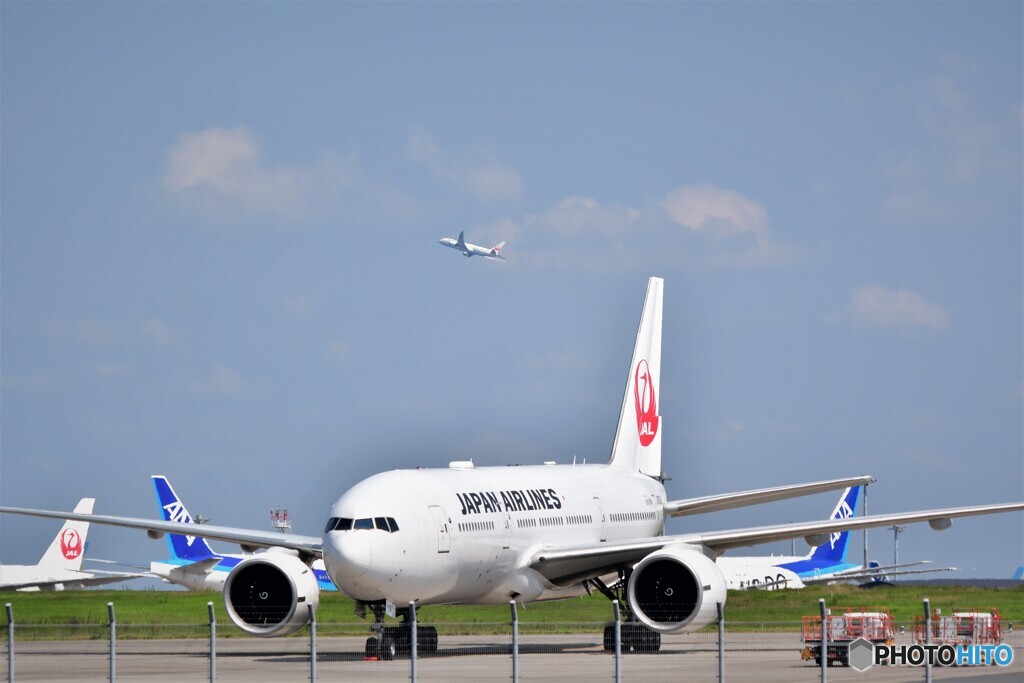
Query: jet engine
(269, 594)
(676, 589)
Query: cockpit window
(338, 524)
(347, 524)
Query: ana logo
(176, 512)
(70, 544)
(843, 511)
(646, 403)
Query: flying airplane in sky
(192, 562)
(488, 535)
(60, 567)
(467, 249)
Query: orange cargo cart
(874, 625)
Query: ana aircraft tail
(173, 510)
(68, 547)
(834, 550)
(637, 444)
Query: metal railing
(498, 651)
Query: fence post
(824, 640)
(721, 643)
(618, 642)
(413, 651)
(515, 641)
(113, 642)
(10, 643)
(312, 643)
(927, 639)
(213, 643)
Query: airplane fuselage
(468, 249)
(467, 535)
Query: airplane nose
(348, 554)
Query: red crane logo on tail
(646, 404)
(70, 544)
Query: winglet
(637, 444)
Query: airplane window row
(476, 526)
(633, 516)
(555, 521)
(348, 524)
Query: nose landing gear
(392, 641)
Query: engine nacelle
(268, 594)
(676, 589)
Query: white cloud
(722, 229)
(103, 333)
(898, 309)
(226, 164)
(113, 369)
(221, 381)
(36, 381)
(478, 174)
(297, 305)
(579, 216)
(717, 212)
(968, 156)
(337, 351)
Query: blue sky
(220, 259)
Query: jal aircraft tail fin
(496, 249)
(173, 510)
(637, 444)
(68, 547)
(834, 549)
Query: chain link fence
(763, 651)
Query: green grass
(183, 614)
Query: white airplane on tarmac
(467, 249)
(60, 567)
(488, 535)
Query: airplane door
(506, 538)
(601, 519)
(441, 524)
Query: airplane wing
(202, 566)
(248, 539)
(72, 582)
(495, 257)
(873, 573)
(728, 501)
(565, 566)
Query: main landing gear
(633, 636)
(392, 641)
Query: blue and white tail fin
(173, 510)
(637, 444)
(834, 550)
(68, 546)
